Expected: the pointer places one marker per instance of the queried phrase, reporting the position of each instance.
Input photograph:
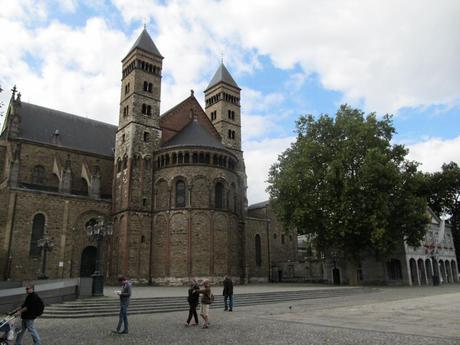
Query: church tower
(222, 106)
(222, 97)
(138, 136)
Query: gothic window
(258, 251)
(38, 175)
(38, 230)
(230, 134)
(219, 195)
(180, 193)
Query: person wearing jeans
(32, 307)
(125, 294)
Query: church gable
(176, 119)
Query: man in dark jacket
(193, 298)
(29, 311)
(228, 293)
(125, 295)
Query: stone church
(173, 185)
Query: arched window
(38, 175)
(146, 86)
(38, 230)
(149, 110)
(258, 251)
(180, 193)
(219, 195)
(150, 87)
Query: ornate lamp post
(47, 245)
(97, 232)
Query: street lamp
(47, 245)
(97, 230)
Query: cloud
(387, 55)
(259, 156)
(434, 152)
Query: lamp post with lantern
(47, 245)
(97, 231)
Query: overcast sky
(290, 58)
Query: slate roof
(222, 75)
(39, 124)
(259, 205)
(194, 134)
(145, 43)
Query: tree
(344, 181)
(444, 197)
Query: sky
(290, 57)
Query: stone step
(110, 307)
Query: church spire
(222, 75)
(145, 43)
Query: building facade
(172, 184)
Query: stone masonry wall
(65, 223)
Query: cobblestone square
(386, 316)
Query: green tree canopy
(344, 181)
(444, 197)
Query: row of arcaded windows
(222, 96)
(148, 67)
(195, 158)
(145, 66)
(129, 69)
(219, 193)
(122, 164)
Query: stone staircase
(104, 306)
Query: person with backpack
(206, 300)
(193, 298)
(32, 308)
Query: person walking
(125, 295)
(228, 293)
(193, 298)
(206, 300)
(31, 308)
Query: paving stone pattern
(387, 316)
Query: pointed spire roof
(145, 43)
(194, 134)
(222, 75)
